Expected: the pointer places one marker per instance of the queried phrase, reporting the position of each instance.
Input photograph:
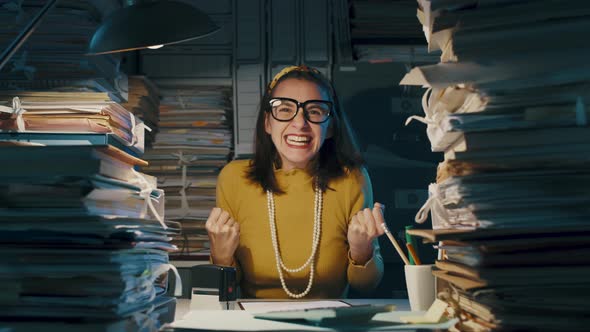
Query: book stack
(144, 102)
(193, 143)
(508, 106)
(83, 240)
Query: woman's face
(297, 141)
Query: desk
(239, 320)
(182, 305)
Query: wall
(399, 158)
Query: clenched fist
(224, 236)
(364, 227)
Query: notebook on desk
(328, 316)
(255, 306)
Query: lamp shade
(150, 23)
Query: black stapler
(213, 287)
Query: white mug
(420, 285)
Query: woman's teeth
(298, 140)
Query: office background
(508, 105)
(364, 46)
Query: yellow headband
(287, 70)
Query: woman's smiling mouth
(298, 140)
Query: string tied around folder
(146, 190)
(424, 119)
(427, 206)
(16, 112)
(430, 119)
(441, 217)
(146, 321)
(183, 161)
(134, 138)
(432, 205)
(178, 280)
(164, 268)
(181, 102)
(154, 272)
(136, 125)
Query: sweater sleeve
(364, 278)
(226, 201)
(223, 192)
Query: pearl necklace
(314, 246)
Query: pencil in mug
(393, 241)
(395, 244)
(413, 253)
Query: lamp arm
(25, 33)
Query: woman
(298, 219)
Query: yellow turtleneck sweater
(294, 215)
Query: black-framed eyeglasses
(314, 111)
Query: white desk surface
(240, 320)
(182, 305)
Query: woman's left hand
(364, 227)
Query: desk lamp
(149, 24)
(140, 24)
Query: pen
(395, 244)
(413, 253)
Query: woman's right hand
(224, 236)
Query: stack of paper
(383, 20)
(53, 57)
(518, 277)
(69, 113)
(507, 104)
(144, 102)
(83, 238)
(385, 31)
(193, 143)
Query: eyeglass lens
(315, 111)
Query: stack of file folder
(508, 106)
(144, 101)
(386, 31)
(47, 112)
(193, 143)
(383, 21)
(84, 243)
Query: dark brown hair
(338, 154)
